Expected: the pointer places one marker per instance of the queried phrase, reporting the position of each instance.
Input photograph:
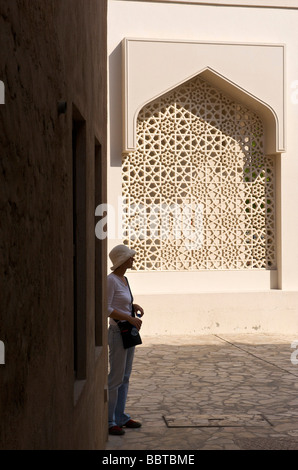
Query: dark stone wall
(50, 51)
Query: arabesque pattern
(199, 191)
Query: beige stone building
(178, 119)
(203, 161)
(53, 162)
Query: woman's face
(129, 262)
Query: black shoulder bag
(130, 334)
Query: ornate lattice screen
(198, 191)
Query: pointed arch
(199, 189)
(264, 110)
(251, 73)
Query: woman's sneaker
(132, 424)
(116, 431)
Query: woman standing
(120, 308)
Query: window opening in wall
(199, 191)
(79, 242)
(98, 248)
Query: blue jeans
(118, 380)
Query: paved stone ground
(229, 392)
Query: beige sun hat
(119, 254)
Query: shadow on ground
(213, 392)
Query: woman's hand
(138, 310)
(135, 321)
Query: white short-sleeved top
(119, 297)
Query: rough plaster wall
(47, 55)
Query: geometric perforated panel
(198, 190)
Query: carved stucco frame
(251, 73)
